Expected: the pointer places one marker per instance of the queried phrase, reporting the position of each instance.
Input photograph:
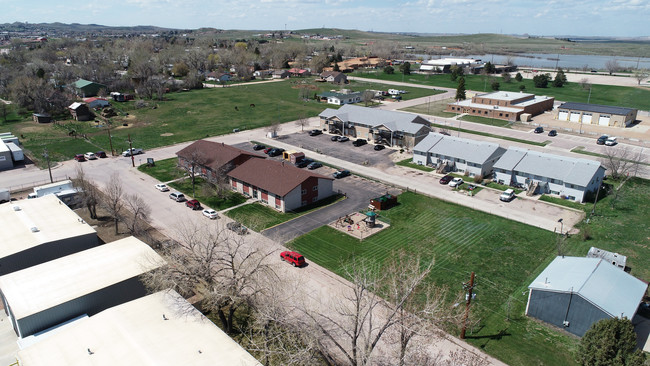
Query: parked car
(446, 179)
(90, 156)
(210, 213)
(132, 151)
(314, 165)
(335, 138)
(295, 259)
(267, 150)
(193, 204)
(341, 173)
(602, 139)
(539, 129)
(177, 196)
(343, 139)
(444, 133)
(259, 147)
(471, 187)
(379, 147)
(162, 187)
(79, 157)
(611, 141)
(507, 195)
(552, 133)
(100, 154)
(315, 132)
(359, 142)
(237, 228)
(276, 152)
(456, 182)
(303, 163)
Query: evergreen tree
(389, 70)
(336, 67)
(610, 342)
(460, 90)
(495, 85)
(405, 68)
(560, 79)
(518, 77)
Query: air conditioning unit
(565, 323)
(16, 208)
(34, 229)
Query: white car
(90, 156)
(611, 141)
(210, 213)
(162, 187)
(507, 195)
(456, 182)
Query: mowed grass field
(619, 96)
(186, 116)
(505, 255)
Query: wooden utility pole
(468, 287)
(49, 169)
(110, 140)
(131, 151)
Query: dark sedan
(446, 179)
(259, 147)
(303, 163)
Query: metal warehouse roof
(158, 329)
(396, 121)
(52, 219)
(52, 283)
(569, 170)
(607, 287)
(457, 147)
(596, 108)
(505, 95)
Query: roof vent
(34, 229)
(16, 208)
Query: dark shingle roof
(276, 177)
(596, 108)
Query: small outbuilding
(384, 202)
(80, 111)
(85, 88)
(42, 117)
(574, 292)
(596, 114)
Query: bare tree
(214, 264)
(139, 212)
(622, 162)
(640, 75)
(113, 199)
(612, 66)
(274, 128)
(193, 163)
(88, 192)
(302, 121)
(367, 97)
(585, 84)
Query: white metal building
(458, 154)
(159, 329)
(554, 174)
(84, 283)
(38, 230)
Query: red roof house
(213, 159)
(278, 184)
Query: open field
(620, 96)
(505, 255)
(186, 116)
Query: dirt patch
(166, 134)
(356, 225)
(307, 86)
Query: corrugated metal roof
(53, 283)
(370, 117)
(612, 290)
(461, 148)
(158, 329)
(428, 142)
(596, 108)
(510, 158)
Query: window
(314, 188)
(314, 199)
(304, 191)
(278, 206)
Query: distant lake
(547, 60)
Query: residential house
(296, 72)
(212, 160)
(375, 125)
(160, 329)
(448, 153)
(39, 230)
(262, 73)
(341, 98)
(85, 88)
(508, 106)
(96, 102)
(280, 74)
(595, 114)
(334, 77)
(574, 292)
(568, 177)
(81, 284)
(278, 184)
(80, 111)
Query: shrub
(478, 178)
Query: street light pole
(131, 151)
(47, 157)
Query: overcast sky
(535, 17)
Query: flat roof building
(508, 106)
(87, 282)
(596, 114)
(159, 329)
(39, 230)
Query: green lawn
(436, 108)
(259, 217)
(163, 170)
(206, 196)
(505, 255)
(486, 121)
(620, 96)
(508, 138)
(409, 164)
(185, 116)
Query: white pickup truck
(132, 151)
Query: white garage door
(603, 120)
(586, 118)
(575, 117)
(563, 116)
